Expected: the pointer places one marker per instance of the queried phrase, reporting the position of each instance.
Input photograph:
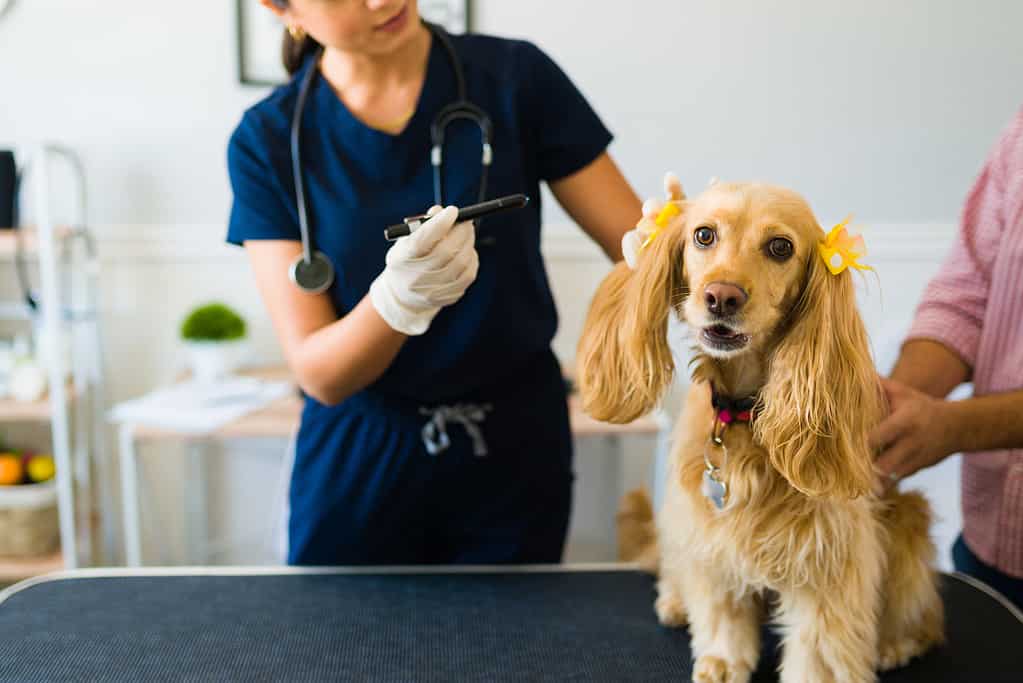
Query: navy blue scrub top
(359, 180)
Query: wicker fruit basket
(29, 524)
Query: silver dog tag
(713, 488)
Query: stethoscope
(312, 271)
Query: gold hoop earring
(297, 33)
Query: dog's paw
(708, 669)
(897, 654)
(670, 610)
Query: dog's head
(741, 265)
(749, 253)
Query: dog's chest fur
(769, 535)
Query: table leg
(130, 497)
(196, 503)
(616, 473)
(662, 457)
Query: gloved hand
(429, 269)
(633, 240)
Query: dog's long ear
(822, 393)
(624, 361)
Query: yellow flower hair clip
(840, 250)
(669, 211)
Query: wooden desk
(281, 417)
(278, 420)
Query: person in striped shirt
(969, 328)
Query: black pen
(466, 213)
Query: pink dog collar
(729, 410)
(729, 417)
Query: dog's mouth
(721, 337)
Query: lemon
(41, 468)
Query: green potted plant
(215, 336)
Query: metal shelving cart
(66, 314)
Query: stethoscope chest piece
(313, 275)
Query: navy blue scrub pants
(497, 488)
(967, 562)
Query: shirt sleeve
(567, 131)
(955, 301)
(262, 209)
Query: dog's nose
(724, 298)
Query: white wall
(146, 92)
(881, 108)
(878, 108)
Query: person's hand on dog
(632, 241)
(915, 434)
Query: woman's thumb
(423, 240)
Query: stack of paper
(195, 407)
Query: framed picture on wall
(259, 45)
(260, 34)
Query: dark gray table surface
(382, 625)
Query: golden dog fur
(845, 572)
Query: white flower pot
(214, 360)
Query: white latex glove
(425, 271)
(632, 241)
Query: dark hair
(294, 51)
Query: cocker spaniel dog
(771, 507)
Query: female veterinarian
(435, 427)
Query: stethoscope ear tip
(314, 276)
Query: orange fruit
(11, 470)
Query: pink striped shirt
(975, 306)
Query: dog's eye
(704, 237)
(779, 248)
